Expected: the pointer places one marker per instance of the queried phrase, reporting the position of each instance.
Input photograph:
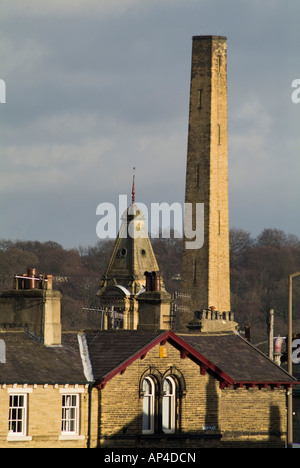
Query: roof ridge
(85, 357)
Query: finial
(133, 188)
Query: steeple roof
(132, 253)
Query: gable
(229, 358)
(111, 352)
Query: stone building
(124, 280)
(140, 389)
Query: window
(17, 417)
(148, 405)
(70, 421)
(123, 252)
(197, 175)
(70, 414)
(219, 63)
(162, 396)
(169, 405)
(219, 134)
(17, 414)
(200, 93)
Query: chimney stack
(32, 304)
(154, 305)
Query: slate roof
(230, 358)
(127, 259)
(236, 357)
(29, 361)
(108, 350)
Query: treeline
(259, 279)
(76, 273)
(259, 275)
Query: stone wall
(44, 417)
(205, 270)
(207, 416)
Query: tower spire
(133, 187)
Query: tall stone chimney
(205, 270)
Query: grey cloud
(93, 92)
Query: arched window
(148, 405)
(161, 400)
(169, 406)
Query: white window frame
(169, 407)
(71, 434)
(22, 416)
(70, 414)
(149, 406)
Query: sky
(95, 88)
